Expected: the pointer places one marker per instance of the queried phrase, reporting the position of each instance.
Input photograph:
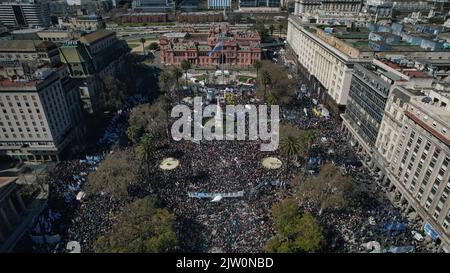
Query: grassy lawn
(201, 77)
(245, 78)
(134, 45)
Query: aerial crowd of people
(232, 224)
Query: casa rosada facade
(240, 48)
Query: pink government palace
(240, 48)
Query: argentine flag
(216, 48)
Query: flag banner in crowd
(216, 48)
(214, 194)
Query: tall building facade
(219, 4)
(91, 58)
(249, 4)
(381, 9)
(35, 120)
(241, 48)
(417, 155)
(40, 105)
(366, 101)
(153, 5)
(369, 90)
(326, 55)
(25, 13)
(311, 6)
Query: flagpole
(221, 37)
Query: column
(20, 201)
(5, 219)
(13, 209)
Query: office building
(240, 48)
(25, 13)
(327, 54)
(91, 58)
(153, 5)
(413, 149)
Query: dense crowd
(241, 224)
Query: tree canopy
(295, 232)
(114, 93)
(141, 227)
(292, 136)
(114, 175)
(276, 81)
(153, 46)
(329, 189)
(151, 118)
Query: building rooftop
(18, 45)
(27, 30)
(96, 36)
(358, 37)
(172, 35)
(426, 104)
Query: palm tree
(280, 28)
(143, 42)
(310, 137)
(257, 64)
(132, 133)
(266, 80)
(176, 73)
(143, 150)
(290, 146)
(272, 99)
(185, 65)
(271, 29)
(166, 105)
(164, 79)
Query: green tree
(141, 227)
(271, 29)
(272, 99)
(143, 150)
(290, 146)
(149, 118)
(295, 233)
(257, 64)
(166, 106)
(143, 44)
(262, 31)
(114, 93)
(153, 46)
(281, 84)
(185, 65)
(176, 74)
(164, 82)
(133, 133)
(266, 80)
(280, 28)
(329, 189)
(114, 175)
